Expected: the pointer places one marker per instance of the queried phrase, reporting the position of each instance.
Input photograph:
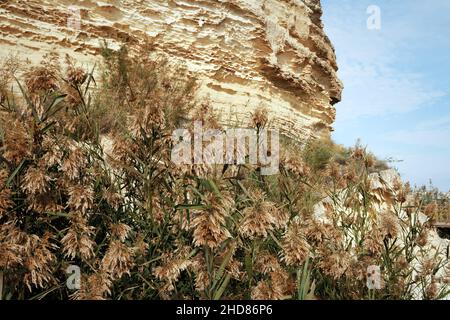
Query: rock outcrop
(245, 53)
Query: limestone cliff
(245, 53)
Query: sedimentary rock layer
(245, 53)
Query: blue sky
(397, 83)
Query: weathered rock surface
(246, 53)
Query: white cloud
(394, 71)
(374, 84)
(377, 91)
(435, 123)
(422, 138)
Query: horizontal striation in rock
(245, 53)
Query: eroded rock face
(245, 53)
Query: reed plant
(86, 179)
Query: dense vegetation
(86, 179)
